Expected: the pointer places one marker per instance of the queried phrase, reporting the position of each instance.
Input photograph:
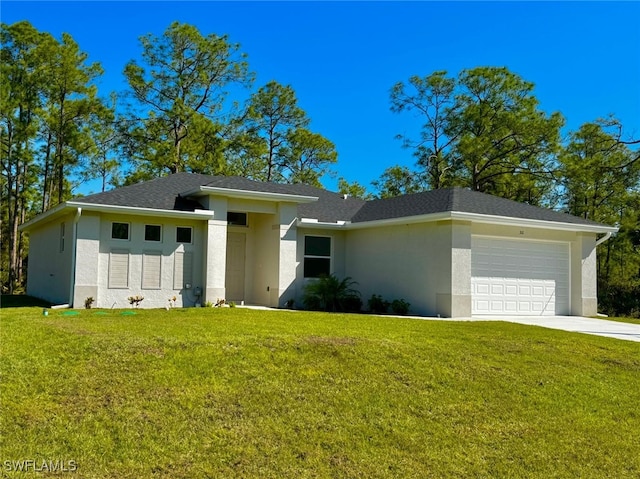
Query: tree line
(191, 106)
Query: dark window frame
(317, 256)
(117, 227)
(237, 218)
(183, 229)
(159, 233)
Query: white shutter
(119, 269)
(151, 269)
(183, 269)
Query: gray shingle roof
(165, 193)
(459, 200)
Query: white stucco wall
(398, 262)
(584, 294)
(453, 293)
(49, 268)
(117, 297)
(88, 251)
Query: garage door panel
(519, 277)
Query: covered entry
(519, 277)
(236, 264)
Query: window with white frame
(317, 256)
(120, 231)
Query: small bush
(400, 307)
(352, 304)
(378, 305)
(328, 293)
(135, 300)
(620, 299)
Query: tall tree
(47, 108)
(307, 157)
(21, 80)
(273, 114)
(502, 134)
(102, 160)
(178, 95)
(280, 148)
(398, 180)
(482, 130)
(355, 189)
(601, 181)
(70, 101)
(432, 99)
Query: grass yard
(623, 320)
(195, 393)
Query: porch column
(87, 271)
(584, 294)
(215, 252)
(453, 298)
(287, 263)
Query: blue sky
(342, 58)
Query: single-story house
(198, 238)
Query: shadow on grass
(22, 301)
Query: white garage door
(519, 277)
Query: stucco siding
(49, 268)
(398, 262)
(136, 246)
(264, 264)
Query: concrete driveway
(599, 327)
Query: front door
(236, 243)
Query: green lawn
(195, 393)
(622, 320)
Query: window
(152, 233)
(317, 256)
(119, 269)
(62, 234)
(120, 231)
(183, 234)
(151, 266)
(236, 219)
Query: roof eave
(140, 211)
(48, 215)
(462, 216)
(129, 210)
(532, 223)
(248, 195)
(313, 223)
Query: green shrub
(400, 306)
(620, 299)
(378, 305)
(328, 293)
